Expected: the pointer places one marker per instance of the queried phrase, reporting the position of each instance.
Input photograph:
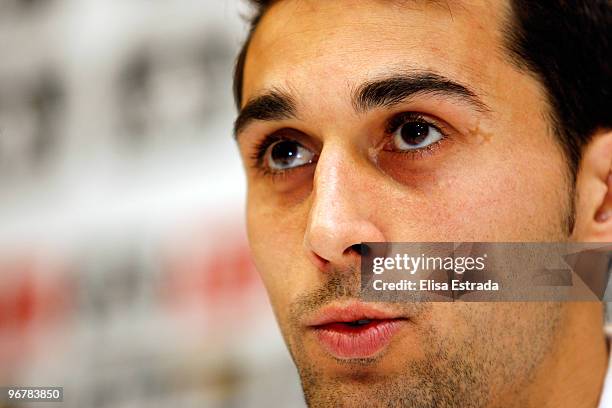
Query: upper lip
(350, 312)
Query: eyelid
(285, 134)
(396, 121)
(277, 174)
(400, 119)
(260, 148)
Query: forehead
(302, 43)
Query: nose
(343, 210)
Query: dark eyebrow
(273, 105)
(390, 91)
(379, 93)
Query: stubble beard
(466, 371)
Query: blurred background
(125, 275)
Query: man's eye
(287, 154)
(414, 135)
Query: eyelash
(262, 147)
(260, 152)
(401, 119)
(391, 127)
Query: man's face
(397, 121)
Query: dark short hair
(564, 44)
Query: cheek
(276, 237)
(489, 199)
(510, 205)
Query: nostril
(359, 249)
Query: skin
(500, 175)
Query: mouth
(356, 330)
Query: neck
(572, 376)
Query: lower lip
(343, 341)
